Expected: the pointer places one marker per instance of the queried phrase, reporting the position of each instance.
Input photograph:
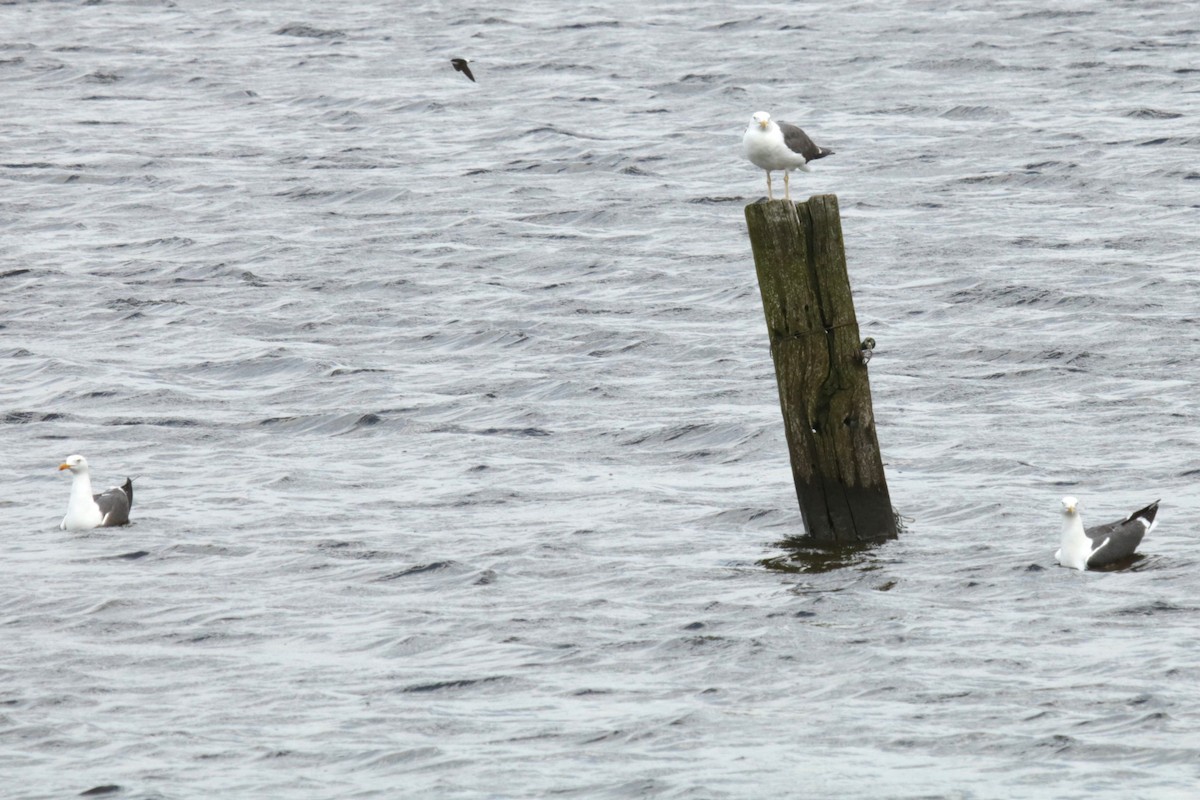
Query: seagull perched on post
(1102, 544)
(86, 510)
(778, 145)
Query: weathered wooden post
(820, 366)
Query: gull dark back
(115, 504)
(1123, 537)
(798, 142)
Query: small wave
(1173, 141)
(323, 424)
(975, 112)
(303, 31)
(419, 569)
(1153, 113)
(162, 422)
(29, 417)
(442, 686)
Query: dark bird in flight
(460, 65)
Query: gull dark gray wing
(798, 142)
(115, 504)
(1123, 537)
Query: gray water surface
(458, 451)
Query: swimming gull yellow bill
(86, 510)
(1102, 544)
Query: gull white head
(762, 119)
(82, 511)
(1075, 547)
(76, 463)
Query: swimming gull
(460, 65)
(771, 146)
(1102, 544)
(86, 510)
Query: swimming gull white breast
(86, 510)
(1102, 544)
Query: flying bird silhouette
(460, 65)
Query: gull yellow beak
(764, 124)
(61, 467)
